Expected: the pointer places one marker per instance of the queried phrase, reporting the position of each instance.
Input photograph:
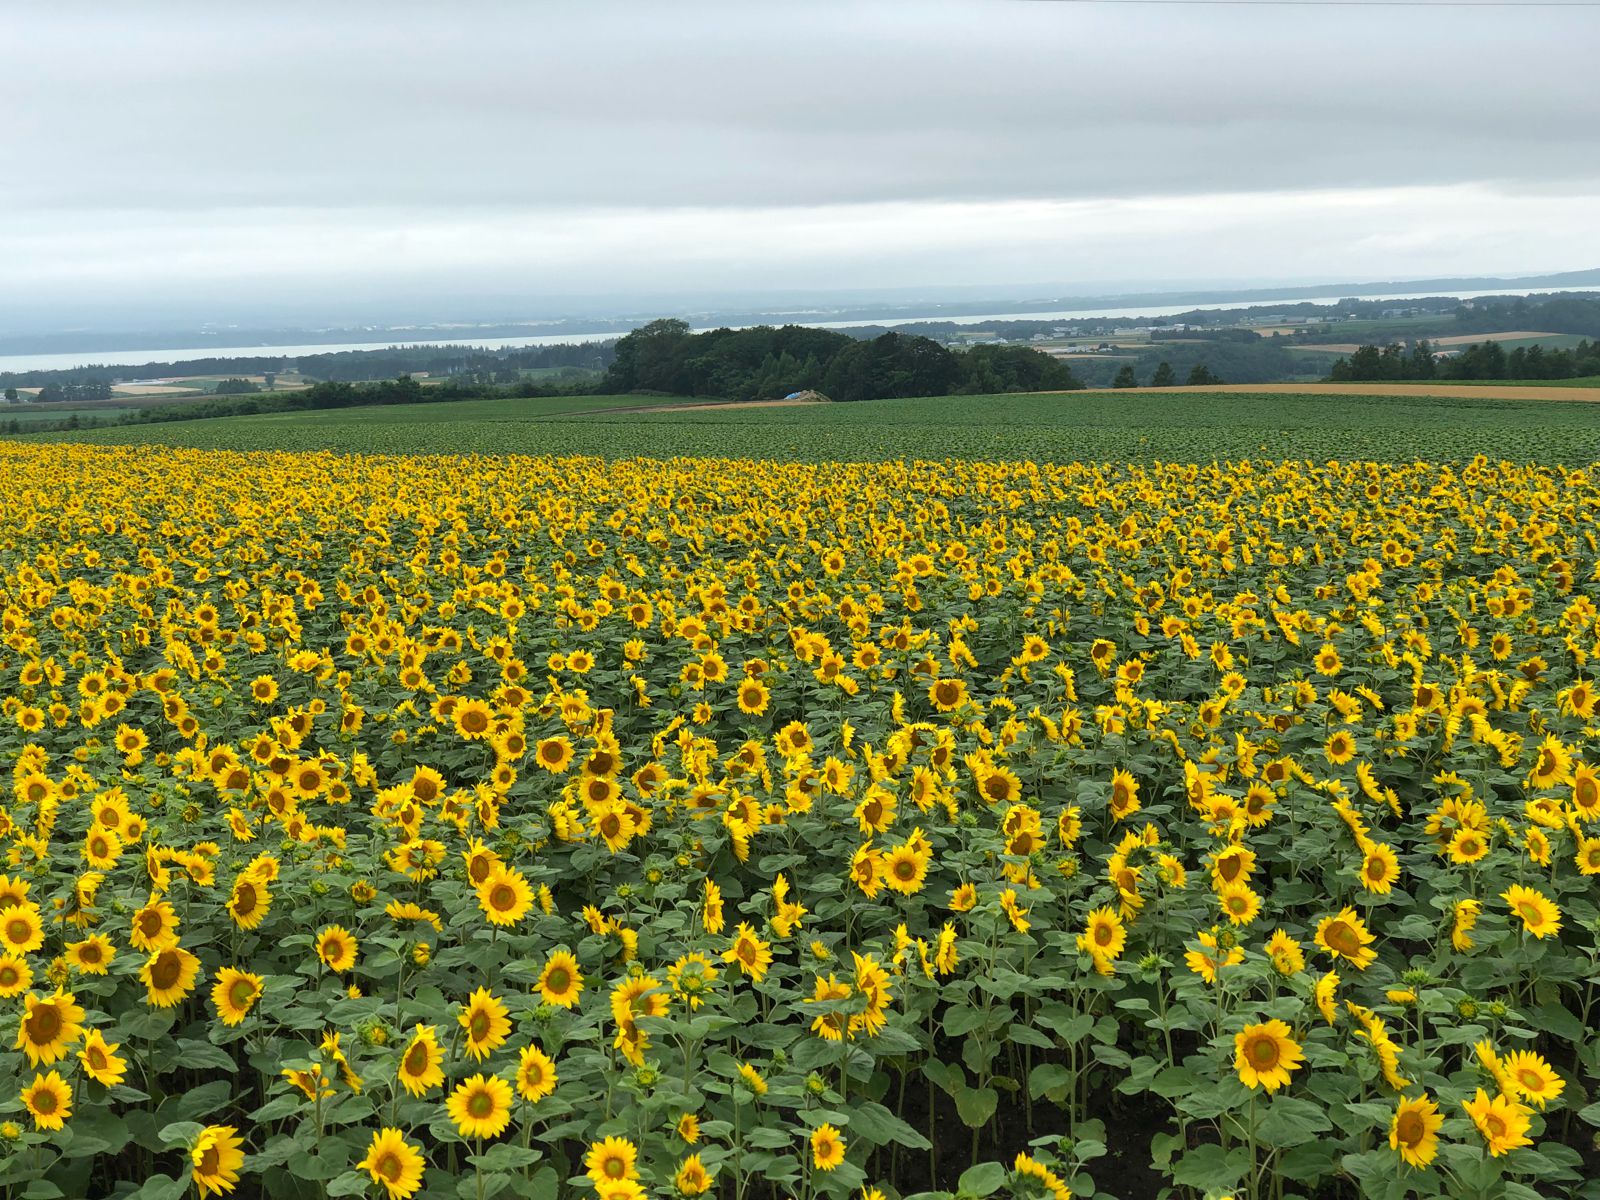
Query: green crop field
(1052, 427)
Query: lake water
(134, 358)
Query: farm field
(1172, 424)
(556, 826)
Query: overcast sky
(259, 157)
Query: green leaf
(1292, 1122)
(876, 1124)
(982, 1180)
(1209, 1169)
(181, 1133)
(959, 1019)
(351, 1183)
(162, 1187)
(505, 1157)
(1049, 1079)
(976, 1105)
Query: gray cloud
(200, 143)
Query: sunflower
(905, 868)
(1287, 955)
(49, 1024)
(536, 1074)
(1104, 935)
(1346, 936)
(21, 928)
(480, 1106)
(422, 1064)
(554, 754)
(155, 927)
(16, 976)
(1586, 791)
(611, 1160)
(215, 1159)
(473, 719)
(505, 896)
(1414, 1131)
(947, 694)
(1340, 748)
(1501, 1121)
(250, 901)
(692, 1178)
(169, 976)
(100, 1060)
(1207, 963)
(1531, 1077)
(1325, 993)
(336, 947)
(92, 956)
(1539, 913)
(1239, 903)
(827, 1147)
(1124, 801)
(48, 1100)
(1467, 845)
(752, 954)
(753, 697)
(1265, 1054)
(394, 1162)
(1380, 867)
(234, 994)
(1552, 765)
(486, 1023)
(561, 983)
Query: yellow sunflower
(21, 928)
(560, 982)
(48, 1100)
(92, 956)
(1539, 913)
(421, 1065)
(480, 1106)
(215, 1159)
(234, 994)
(336, 947)
(827, 1147)
(395, 1163)
(1346, 936)
(536, 1074)
(485, 1020)
(169, 976)
(100, 1060)
(1502, 1122)
(752, 954)
(505, 896)
(1265, 1055)
(611, 1160)
(49, 1024)
(1414, 1131)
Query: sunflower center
(747, 953)
(1102, 935)
(503, 898)
(164, 972)
(1264, 1053)
(1531, 1080)
(905, 870)
(44, 1025)
(208, 1161)
(479, 1029)
(45, 1101)
(1343, 938)
(389, 1167)
(17, 931)
(615, 1168)
(241, 993)
(560, 979)
(1495, 1124)
(1530, 913)
(481, 1105)
(150, 923)
(1409, 1128)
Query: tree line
(1482, 360)
(766, 362)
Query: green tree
(1164, 376)
(1125, 377)
(1200, 376)
(11, 395)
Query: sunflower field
(562, 827)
